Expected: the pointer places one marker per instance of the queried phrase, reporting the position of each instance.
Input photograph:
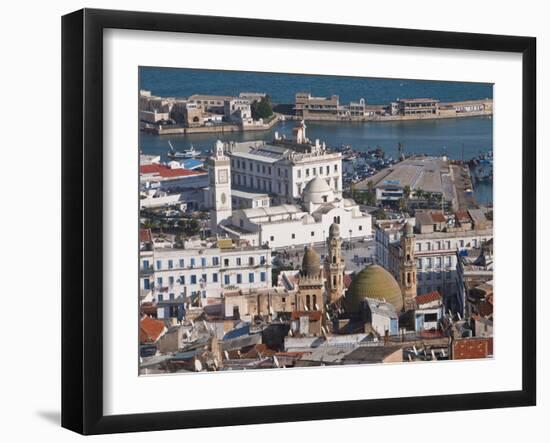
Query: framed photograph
(270, 221)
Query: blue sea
(458, 138)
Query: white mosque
(304, 222)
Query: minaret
(220, 187)
(334, 265)
(407, 266)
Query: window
(272, 238)
(159, 281)
(182, 279)
(251, 277)
(262, 276)
(215, 277)
(336, 168)
(239, 278)
(193, 279)
(438, 245)
(238, 259)
(226, 262)
(159, 264)
(226, 279)
(293, 235)
(430, 317)
(215, 261)
(251, 261)
(192, 263)
(204, 278)
(419, 263)
(182, 263)
(419, 247)
(160, 297)
(146, 283)
(299, 173)
(307, 172)
(171, 296)
(360, 227)
(203, 261)
(145, 264)
(314, 171)
(328, 170)
(170, 281)
(262, 260)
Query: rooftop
(163, 171)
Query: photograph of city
(296, 220)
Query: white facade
(281, 170)
(170, 273)
(292, 225)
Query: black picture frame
(82, 219)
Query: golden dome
(311, 263)
(373, 282)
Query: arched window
(308, 302)
(334, 259)
(314, 306)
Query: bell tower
(220, 187)
(334, 265)
(407, 266)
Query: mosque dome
(373, 282)
(318, 191)
(334, 230)
(311, 263)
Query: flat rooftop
(431, 174)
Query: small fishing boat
(188, 153)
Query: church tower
(334, 265)
(220, 187)
(407, 266)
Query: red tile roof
(150, 330)
(467, 348)
(438, 217)
(427, 298)
(313, 315)
(145, 235)
(164, 171)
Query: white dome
(318, 191)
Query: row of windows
(259, 183)
(203, 262)
(430, 262)
(313, 171)
(203, 278)
(446, 244)
(439, 275)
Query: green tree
(380, 214)
(262, 109)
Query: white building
(301, 224)
(283, 168)
(436, 256)
(201, 271)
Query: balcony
(146, 271)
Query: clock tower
(219, 175)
